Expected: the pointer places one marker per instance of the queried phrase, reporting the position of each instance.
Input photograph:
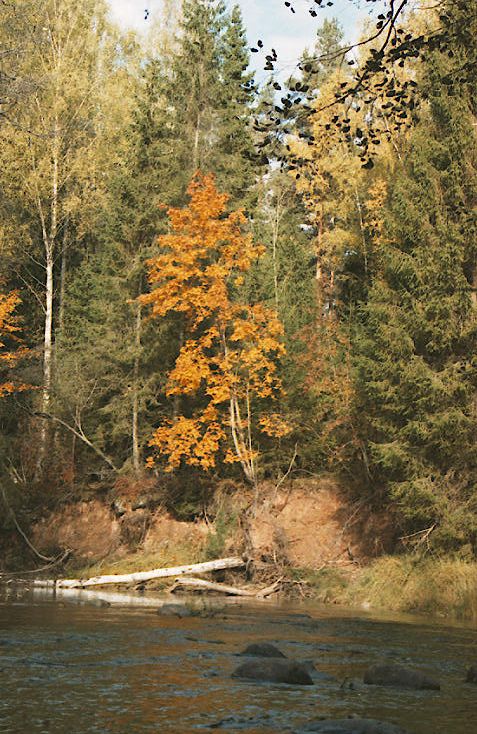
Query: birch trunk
(203, 585)
(142, 576)
(49, 241)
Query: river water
(71, 666)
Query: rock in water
(353, 726)
(399, 677)
(274, 670)
(175, 610)
(472, 674)
(263, 650)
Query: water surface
(68, 666)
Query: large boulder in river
(274, 670)
(263, 650)
(472, 674)
(352, 726)
(399, 677)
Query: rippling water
(68, 666)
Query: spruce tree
(416, 368)
(236, 161)
(196, 84)
(326, 55)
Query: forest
(212, 275)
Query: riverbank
(443, 588)
(439, 587)
(313, 535)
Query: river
(71, 666)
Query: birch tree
(49, 155)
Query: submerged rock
(274, 670)
(472, 674)
(400, 677)
(175, 610)
(263, 650)
(352, 726)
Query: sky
(268, 20)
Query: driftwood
(203, 585)
(142, 576)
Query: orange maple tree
(228, 361)
(10, 348)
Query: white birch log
(202, 584)
(141, 576)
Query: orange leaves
(8, 325)
(193, 440)
(6, 388)
(8, 328)
(274, 425)
(229, 359)
(191, 368)
(203, 255)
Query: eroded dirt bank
(312, 535)
(304, 525)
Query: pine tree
(209, 94)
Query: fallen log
(141, 576)
(202, 584)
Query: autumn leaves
(10, 347)
(225, 378)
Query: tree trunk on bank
(143, 576)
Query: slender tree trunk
(239, 441)
(49, 244)
(61, 304)
(135, 405)
(319, 274)
(60, 322)
(362, 230)
(48, 331)
(196, 158)
(243, 448)
(176, 404)
(275, 235)
(195, 154)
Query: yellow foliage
(231, 351)
(274, 425)
(8, 329)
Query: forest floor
(312, 534)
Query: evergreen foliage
(416, 369)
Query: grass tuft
(440, 587)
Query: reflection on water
(71, 664)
